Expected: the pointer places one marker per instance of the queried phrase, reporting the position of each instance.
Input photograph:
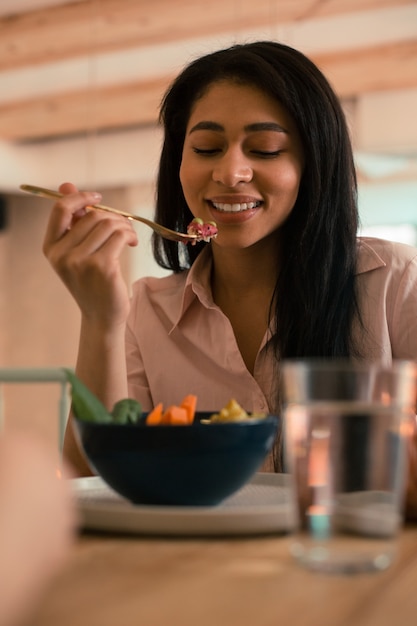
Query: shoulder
(387, 294)
(374, 253)
(155, 299)
(165, 284)
(165, 293)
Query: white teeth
(235, 208)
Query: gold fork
(167, 233)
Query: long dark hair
(315, 301)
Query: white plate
(262, 506)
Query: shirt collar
(198, 277)
(368, 258)
(197, 285)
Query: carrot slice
(189, 403)
(175, 415)
(155, 416)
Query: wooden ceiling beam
(379, 68)
(105, 108)
(372, 69)
(96, 26)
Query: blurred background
(80, 86)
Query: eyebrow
(255, 127)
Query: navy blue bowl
(197, 465)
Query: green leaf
(85, 405)
(127, 411)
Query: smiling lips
(235, 207)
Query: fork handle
(49, 193)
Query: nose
(232, 168)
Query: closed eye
(267, 154)
(206, 151)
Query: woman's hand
(84, 247)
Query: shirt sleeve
(137, 381)
(403, 320)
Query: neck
(253, 269)
(243, 283)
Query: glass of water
(346, 425)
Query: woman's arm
(84, 248)
(101, 365)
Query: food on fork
(205, 231)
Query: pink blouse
(179, 342)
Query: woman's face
(242, 162)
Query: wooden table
(137, 581)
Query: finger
(67, 188)
(95, 230)
(62, 215)
(70, 189)
(89, 237)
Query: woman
(256, 140)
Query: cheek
(188, 177)
(182, 174)
(193, 180)
(289, 180)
